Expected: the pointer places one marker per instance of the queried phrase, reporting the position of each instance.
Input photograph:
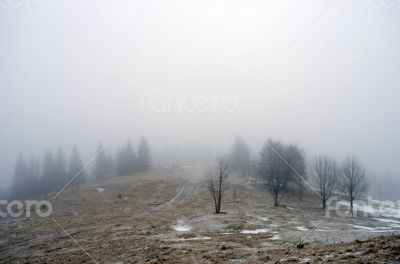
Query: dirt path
(184, 194)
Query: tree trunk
(216, 206)
(351, 208)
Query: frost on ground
(100, 189)
(182, 227)
(256, 231)
(302, 228)
(161, 217)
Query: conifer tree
(126, 160)
(240, 156)
(48, 182)
(101, 169)
(34, 176)
(60, 173)
(76, 172)
(143, 159)
(20, 183)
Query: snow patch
(275, 237)
(100, 189)
(389, 221)
(256, 231)
(193, 238)
(306, 260)
(374, 229)
(182, 227)
(363, 227)
(302, 228)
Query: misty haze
(199, 131)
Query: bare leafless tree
(281, 165)
(272, 168)
(216, 183)
(295, 157)
(325, 173)
(353, 181)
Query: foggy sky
(324, 75)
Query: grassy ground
(165, 216)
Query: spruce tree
(126, 160)
(75, 167)
(143, 157)
(60, 173)
(240, 156)
(20, 183)
(34, 176)
(101, 169)
(121, 162)
(48, 181)
(131, 158)
(110, 163)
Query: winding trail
(184, 194)
(31, 241)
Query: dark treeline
(281, 166)
(32, 178)
(127, 160)
(283, 169)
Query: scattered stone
(224, 247)
(300, 245)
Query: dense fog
(192, 77)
